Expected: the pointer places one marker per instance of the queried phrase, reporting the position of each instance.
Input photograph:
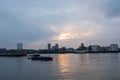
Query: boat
(42, 58)
(13, 54)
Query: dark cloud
(112, 8)
(13, 30)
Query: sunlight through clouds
(73, 31)
(57, 21)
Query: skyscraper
(114, 47)
(56, 46)
(19, 46)
(49, 46)
(82, 44)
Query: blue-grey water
(63, 67)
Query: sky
(66, 22)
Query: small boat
(42, 58)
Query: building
(82, 47)
(70, 50)
(3, 50)
(105, 48)
(82, 44)
(114, 47)
(49, 46)
(56, 46)
(53, 48)
(95, 48)
(19, 46)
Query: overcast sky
(66, 22)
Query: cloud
(75, 30)
(13, 29)
(112, 8)
(37, 22)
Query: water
(63, 67)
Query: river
(102, 66)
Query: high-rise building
(49, 46)
(53, 48)
(114, 47)
(82, 45)
(56, 46)
(19, 46)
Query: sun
(64, 36)
(72, 35)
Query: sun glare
(75, 31)
(64, 36)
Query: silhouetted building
(56, 46)
(82, 44)
(3, 50)
(95, 48)
(19, 46)
(49, 46)
(114, 47)
(70, 49)
(81, 47)
(53, 48)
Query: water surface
(63, 67)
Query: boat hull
(42, 58)
(13, 54)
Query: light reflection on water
(63, 67)
(66, 64)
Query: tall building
(49, 46)
(53, 48)
(114, 47)
(19, 46)
(56, 46)
(82, 45)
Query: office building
(114, 47)
(19, 46)
(56, 46)
(49, 46)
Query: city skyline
(50, 46)
(68, 23)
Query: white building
(95, 48)
(114, 47)
(19, 46)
